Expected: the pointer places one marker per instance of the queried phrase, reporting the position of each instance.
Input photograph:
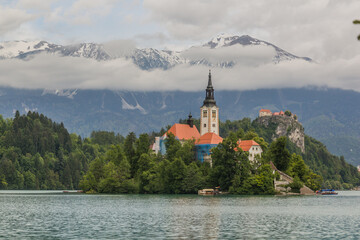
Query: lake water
(54, 215)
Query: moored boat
(208, 191)
(326, 192)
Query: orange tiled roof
(209, 138)
(245, 145)
(265, 110)
(184, 131)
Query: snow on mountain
(69, 93)
(17, 48)
(86, 50)
(245, 40)
(150, 58)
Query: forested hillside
(37, 153)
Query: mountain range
(330, 115)
(147, 58)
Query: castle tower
(209, 112)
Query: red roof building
(184, 131)
(209, 138)
(245, 145)
(265, 112)
(250, 146)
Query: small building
(252, 147)
(204, 145)
(281, 113)
(182, 132)
(155, 147)
(265, 113)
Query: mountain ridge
(146, 58)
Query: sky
(321, 30)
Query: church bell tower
(209, 112)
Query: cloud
(321, 29)
(56, 72)
(87, 11)
(119, 48)
(11, 19)
(39, 5)
(242, 55)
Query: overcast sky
(319, 29)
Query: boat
(73, 191)
(326, 192)
(207, 191)
(210, 191)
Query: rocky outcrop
(286, 126)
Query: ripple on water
(51, 215)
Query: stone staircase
(286, 179)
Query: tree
(176, 173)
(296, 185)
(227, 159)
(297, 167)
(279, 154)
(193, 180)
(129, 146)
(143, 144)
(172, 146)
(186, 152)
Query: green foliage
(36, 153)
(335, 171)
(296, 185)
(279, 154)
(228, 161)
(288, 113)
(193, 179)
(172, 147)
(106, 138)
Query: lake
(54, 215)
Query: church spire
(209, 81)
(209, 99)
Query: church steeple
(209, 112)
(209, 99)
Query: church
(208, 137)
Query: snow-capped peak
(221, 40)
(15, 48)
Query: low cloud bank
(57, 72)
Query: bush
(296, 185)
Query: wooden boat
(206, 192)
(326, 192)
(210, 191)
(73, 191)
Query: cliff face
(286, 126)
